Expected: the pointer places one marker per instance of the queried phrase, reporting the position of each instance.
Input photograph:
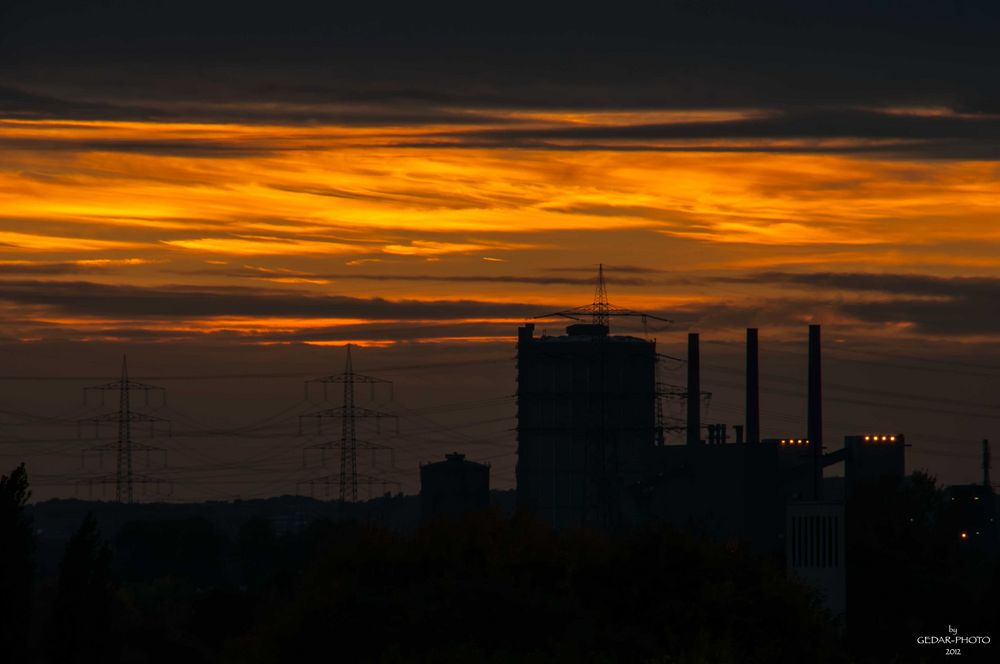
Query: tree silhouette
(907, 574)
(17, 546)
(81, 620)
(485, 589)
(189, 548)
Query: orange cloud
(261, 246)
(52, 243)
(176, 196)
(778, 233)
(434, 248)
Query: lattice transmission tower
(600, 310)
(348, 413)
(124, 477)
(601, 307)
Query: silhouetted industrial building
(734, 492)
(453, 487)
(588, 452)
(872, 457)
(586, 442)
(730, 491)
(814, 549)
(586, 420)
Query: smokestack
(815, 422)
(753, 388)
(738, 428)
(986, 464)
(693, 392)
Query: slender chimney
(693, 392)
(753, 388)
(738, 428)
(815, 421)
(986, 464)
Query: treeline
(909, 573)
(485, 589)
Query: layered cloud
(424, 164)
(677, 54)
(954, 306)
(858, 304)
(88, 298)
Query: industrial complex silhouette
(591, 454)
(599, 483)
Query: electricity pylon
(124, 479)
(348, 414)
(600, 310)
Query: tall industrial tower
(348, 414)
(124, 478)
(586, 414)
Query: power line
(264, 375)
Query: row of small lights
(803, 441)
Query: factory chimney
(815, 415)
(693, 392)
(753, 388)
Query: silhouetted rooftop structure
(453, 487)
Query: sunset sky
(244, 189)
